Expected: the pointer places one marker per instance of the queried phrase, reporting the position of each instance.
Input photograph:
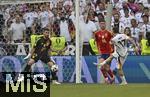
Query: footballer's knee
(31, 61)
(101, 60)
(107, 67)
(50, 63)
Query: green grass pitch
(100, 90)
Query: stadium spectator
(11, 18)
(98, 17)
(68, 7)
(36, 27)
(17, 30)
(59, 6)
(135, 31)
(138, 15)
(29, 18)
(87, 29)
(101, 8)
(127, 31)
(64, 27)
(44, 17)
(116, 23)
(130, 46)
(126, 18)
(146, 25)
(94, 17)
(146, 11)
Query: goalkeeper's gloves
(28, 56)
(52, 60)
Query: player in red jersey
(103, 38)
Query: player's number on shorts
(122, 42)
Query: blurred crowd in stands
(19, 21)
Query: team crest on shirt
(99, 35)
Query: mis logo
(31, 85)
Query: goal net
(21, 23)
(64, 18)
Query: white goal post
(78, 51)
(79, 37)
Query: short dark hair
(100, 14)
(102, 20)
(146, 8)
(45, 29)
(145, 16)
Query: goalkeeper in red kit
(103, 38)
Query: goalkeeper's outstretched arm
(30, 53)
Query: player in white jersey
(120, 53)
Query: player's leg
(53, 73)
(121, 74)
(29, 64)
(103, 69)
(107, 67)
(121, 61)
(104, 72)
(107, 61)
(50, 63)
(34, 58)
(120, 70)
(27, 67)
(110, 73)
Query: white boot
(55, 82)
(123, 83)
